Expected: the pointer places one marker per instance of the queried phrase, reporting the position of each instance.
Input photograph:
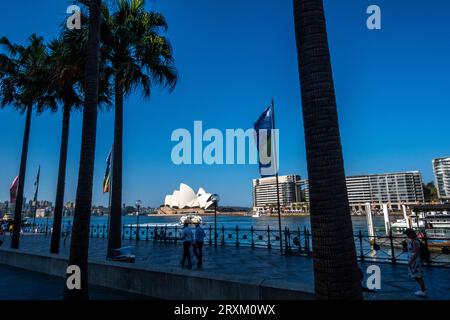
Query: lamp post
(138, 207)
(215, 198)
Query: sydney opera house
(186, 199)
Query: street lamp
(215, 198)
(138, 207)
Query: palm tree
(68, 61)
(80, 235)
(140, 57)
(23, 79)
(335, 265)
(67, 75)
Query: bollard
(146, 235)
(131, 233)
(299, 241)
(98, 231)
(269, 246)
(391, 240)
(252, 231)
(237, 236)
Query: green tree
(67, 74)
(140, 58)
(23, 84)
(67, 65)
(430, 192)
(80, 233)
(335, 265)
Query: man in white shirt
(187, 236)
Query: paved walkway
(270, 264)
(19, 284)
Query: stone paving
(248, 262)
(19, 284)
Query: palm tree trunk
(22, 173)
(57, 217)
(79, 245)
(115, 226)
(335, 265)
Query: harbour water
(229, 222)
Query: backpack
(424, 252)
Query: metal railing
(380, 248)
(392, 248)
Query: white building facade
(265, 191)
(393, 189)
(441, 168)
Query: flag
(264, 139)
(107, 177)
(36, 186)
(13, 190)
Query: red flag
(13, 190)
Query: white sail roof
(185, 197)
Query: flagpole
(110, 187)
(35, 196)
(276, 176)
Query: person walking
(415, 261)
(198, 245)
(68, 232)
(187, 236)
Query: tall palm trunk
(115, 227)
(22, 173)
(80, 235)
(57, 217)
(335, 266)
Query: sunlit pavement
(243, 261)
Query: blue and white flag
(266, 136)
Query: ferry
(256, 214)
(191, 219)
(431, 220)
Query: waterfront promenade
(20, 284)
(248, 265)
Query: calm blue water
(229, 222)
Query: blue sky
(233, 56)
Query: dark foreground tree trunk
(115, 219)
(59, 202)
(335, 265)
(22, 173)
(80, 234)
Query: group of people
(194, 239)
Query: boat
(256, 214)
(432, 221)
(191, 219)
